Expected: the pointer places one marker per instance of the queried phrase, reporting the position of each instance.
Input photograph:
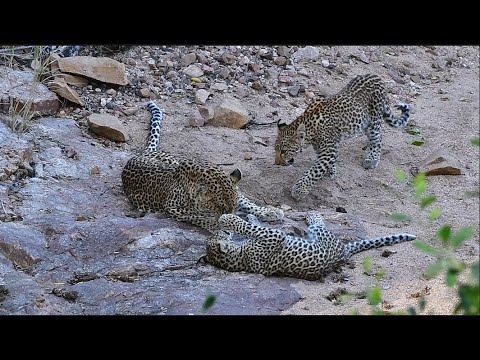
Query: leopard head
(222, 252)
(213, 189)
(290, 140)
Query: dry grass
(20, 115)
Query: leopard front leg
(268, 214)
(239, 226)
(208, 221)
(374, 135)
(327, 155)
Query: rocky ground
(68, 246)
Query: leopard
(272, 252)
(358, 108)
(188, 190)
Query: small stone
(325, 63)
(415, 78)
(193, 71)
(285, 207)
(103, 102)
(219, 86)
(201, 96)
(247, 156)
(441, 162)
(257, 85)
(130, 111)
(111, 92)
(293, 90)
(95, 170)
(144, 92)
(280, 60)
(283, 51)
(188, 59)
(206, 112)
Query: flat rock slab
(18, 88)
(98, 68)
(79, 250)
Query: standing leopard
(356, 109)
(270, 251)
(193, 191)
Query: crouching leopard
(187, 190)
(273, 252)
(356, 109)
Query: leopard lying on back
(357, 109)
(271, 251)
(187, 190)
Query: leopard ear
(236, 175)
(280, 125)
(301, 134)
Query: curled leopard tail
(155, 126)
(399, 121)
(367, 244)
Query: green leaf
(367, 264)
(435, 268)
(400, 175)
(380, 273)
(417, 142)
(451, 277)
(419, 184)
(444, 233)
(209, 301)
(373, 295)
(422, 246)
(475, 141)
(345, 298)
(422, 303)
(434, 214)
(476, 272)
(427, 201)
(469, 300)
(461, 235)
(400, 217)
(412, 130)
(471, 194)
(411, 311)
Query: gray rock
(280, 60)
(188, 59)
(193, 71)
(16, 86)
(224, 72)
(293, 90)
(283, 51)
(307, 53)
(227, 58)
(201, 96)
(219, 86)
(257, 85)
(108, 126)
